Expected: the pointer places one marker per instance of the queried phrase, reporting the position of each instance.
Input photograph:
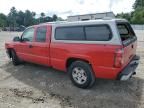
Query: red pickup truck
(85, 49)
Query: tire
(81, 74)
(15, 59)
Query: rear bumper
(129, 70)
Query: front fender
(9, 45)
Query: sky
(64, 8)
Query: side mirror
(16, 39)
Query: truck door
(41, 46)
(23, 47)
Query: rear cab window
(126, 33)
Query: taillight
(118, 60)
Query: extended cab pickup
(85, 49)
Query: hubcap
(79, 75)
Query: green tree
(138, 4)
(54, 17)
(12, 17)
(29, 18)
(3, 20)
(20, 18)
(138, 16)
(17, 18)
(42, 17)
(126, 16)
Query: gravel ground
(34, 86)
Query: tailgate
(129, 52)
(129, 41)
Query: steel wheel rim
(79, 75)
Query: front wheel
(81, 74)
(14, 57)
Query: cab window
(28, 35)
(41, 34)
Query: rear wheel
(81, 74)
(15, 59)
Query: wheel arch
(70, 60)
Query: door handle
(30, 46)
(132, 46)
